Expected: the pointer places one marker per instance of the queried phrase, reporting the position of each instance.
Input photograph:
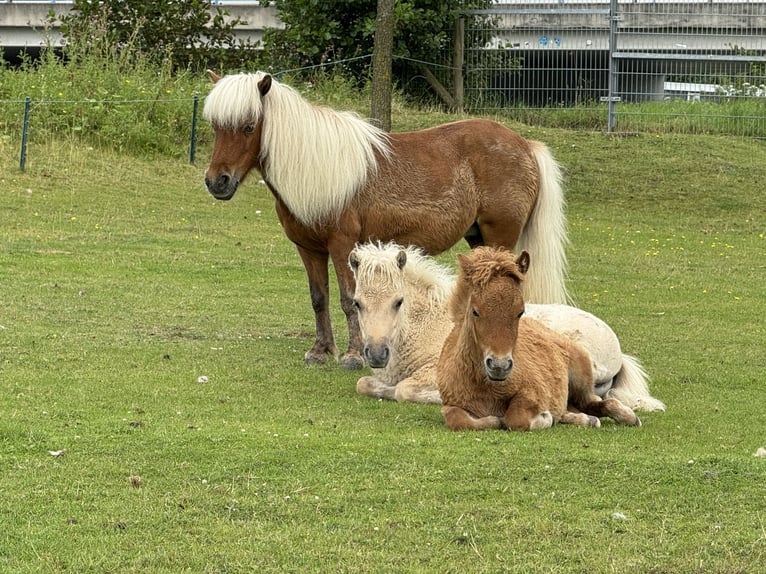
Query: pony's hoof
(351, 362)
(311, 358)
(543, 420)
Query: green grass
(122, 282)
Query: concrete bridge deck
(682, 25)
(24, 24)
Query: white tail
(631, 387)
(545, 234)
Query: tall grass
(131, 107)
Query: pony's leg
(315, 264)
(631, 387)
(417, 390)
(579, 419)
(523, 415)
(613, 409)
(339, 250)
(376, 387)
(582, 396)
(458, 419)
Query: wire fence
(145, 126)
(638, 66)
(644, 65)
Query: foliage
(181, 34)
(319, 32)
(137, 108)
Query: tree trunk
(380, 112)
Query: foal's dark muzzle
(223, 186)
(497, 368)
(377, 356)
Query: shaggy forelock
(378, 263)
(483, 264)
(234, 101)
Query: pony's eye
(521, 314)
(357, 305)
(398, 304)
(249, 129)
(474, 312)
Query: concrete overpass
(589, 49)
(24, 23)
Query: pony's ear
(464, 262)
(522, 262)
(264, 85)
(353, 261)
(213, 76)
(401, 258)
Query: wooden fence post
(457, 63)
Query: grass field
(124, 285)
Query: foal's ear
(401, 258)
(213, 76)
(353, 261)
(463, 261)
(264, 85)
(522, 262)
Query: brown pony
(499, 370)
(338, 180)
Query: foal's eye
(249, 129)
(398, 304)
(521, 314)
(357, 305)
(474, 312)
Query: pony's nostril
(499, 366)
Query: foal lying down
(500, 370)
(401, 300)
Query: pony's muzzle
(223, 186)
(377, 356)
(498, 368)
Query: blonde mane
(315, 158)
(378, 263)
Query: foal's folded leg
(457, 419)
(613, 409)
(416, 390)
(523, 415)
(572, 417)
(375, 387)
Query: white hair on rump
(315, 158)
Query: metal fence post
(613, 98)
(193, 142)
(24, 131)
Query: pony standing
(401, 299)
(338, 180)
